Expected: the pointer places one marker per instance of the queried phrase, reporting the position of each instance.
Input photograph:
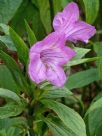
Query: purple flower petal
(36, 69)
(54, 40)
(80, 31)
(36, 48)
(67, 22)
(69, 52)
(57, 56)
(69, 15)
(56, 76)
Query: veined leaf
(94, 106)
(31, 13)
(10, 109)
(69, 117)
(56, 6)
(81, 61)
(21, 47)
(13, 107)
(8, 42)
(4, 28)
(80, 52)
(57, 127)
(90, 6)
(9, 94)
(8, 9)
(81, 79)
(65, 2)
(3, 132)
(6, 79)
(5, 39)
(55, 92)
(93, 118)
(31, 36)
(13, 122)
(15, 71)
(98, 48)
(44, 8)
(9, 61)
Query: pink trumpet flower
(68, 22)
(47, 58)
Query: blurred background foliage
(85, 80)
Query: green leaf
(9, 61)
(98, 48)
(81, 79)
(13, 107)
(5, 93)
(16, 122)
(99, 130)
(97, 97)
(81, 61)
(90, 6)
(93, 118)
(80, 52)
(5, 39)
(31, 13)
(94, 106)
(65, 2)
(15, 71)
(4, 28)
(56, 6)
(94, 122)
(44, 9)
(21, 47)
(69, 117)
(3, 132)
(57, 127)
(5, 75)
(55, 92)
(31, 36)
(10, 109)
(11, 132)
(8, 42)
(8, 9)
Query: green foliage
(44, 9)
(31, 36)
(69, 117)
(54, 92)
(93, 118)
(6, 39)
(97, 48)
(8, 42)
(81, 79)
(90, 6)
(13, 126)
(12, 66)
(57, 127)
(80, 52)
(4, 28)
(8, 9)
(20, 46)
(13, 107)
(81, 61)
(31, 13)
(56, 6)
(5, 75)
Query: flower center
(47, 56)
